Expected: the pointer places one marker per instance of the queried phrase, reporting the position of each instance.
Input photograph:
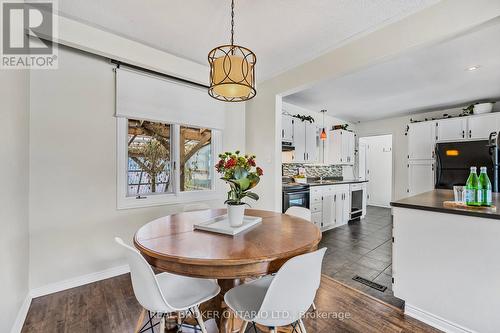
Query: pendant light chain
(232, 22)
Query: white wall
(14, 234)
(397, 127)
(432, 25)
(73, 215)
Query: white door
(299, 141)
(362, 160)
(452, 129)
(311, 142)
(481, 126)
(421, 177)
(346, 195)
(344, 146)
(421, 139)
(287, 128)
(379, 169)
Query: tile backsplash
(292, 169)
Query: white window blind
(143, 96)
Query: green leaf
(244, 183)
(252, 195)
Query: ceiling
(425, 79)
(282, 33)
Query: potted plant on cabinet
(242, 174)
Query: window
(149, 158)
(195, 159)
(161, 163)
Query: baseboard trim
(435, 321)
(79, 281)
(21, 315)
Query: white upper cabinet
(421, 140)
(452, 129)
(299, 141)
(341, 147)
(481, 126)
(311, 142)
(305, 141)
(287, 128)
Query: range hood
(287, 146)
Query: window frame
(158, 199)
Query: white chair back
(292, 290)
(301, 212)
(195, 207)
(144, 283)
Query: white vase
(235, 215)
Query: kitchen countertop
(433, 201)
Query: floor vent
(369, 283)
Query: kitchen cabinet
(287, 128)
(341, 147)
(330, 205)
(421, 140)
(451, 129)
(480, 126)
(305, 140)
(420, 177)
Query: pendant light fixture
(232, 70)
(322, 136)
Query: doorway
(375, 165)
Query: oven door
(299, 198)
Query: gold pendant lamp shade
(232, 71)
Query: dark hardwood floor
(110, 306)
(363, 248)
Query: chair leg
(302, 327)
(314, 306)
(199, 319)
(140, 321)
(243, 326)
(162, 324)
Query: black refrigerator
(454, 159)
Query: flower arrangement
(241, 173)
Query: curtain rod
(138, 68)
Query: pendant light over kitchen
(322, 136)
(232, 70)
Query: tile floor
(363, 248)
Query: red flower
(260, 172)
(230, 163)
(219, 165)
(251, 162)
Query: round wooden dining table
(171, 244)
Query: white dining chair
(268, 302)
(195, 206)
(165, 293)
(301, 212)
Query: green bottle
(484, 187)
(471, 197)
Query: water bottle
(484, 187)
(471, 188)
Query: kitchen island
(446, 262)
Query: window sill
(168, 199)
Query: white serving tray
(220, 224)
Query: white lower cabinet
(330, 205)
(420, 176)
